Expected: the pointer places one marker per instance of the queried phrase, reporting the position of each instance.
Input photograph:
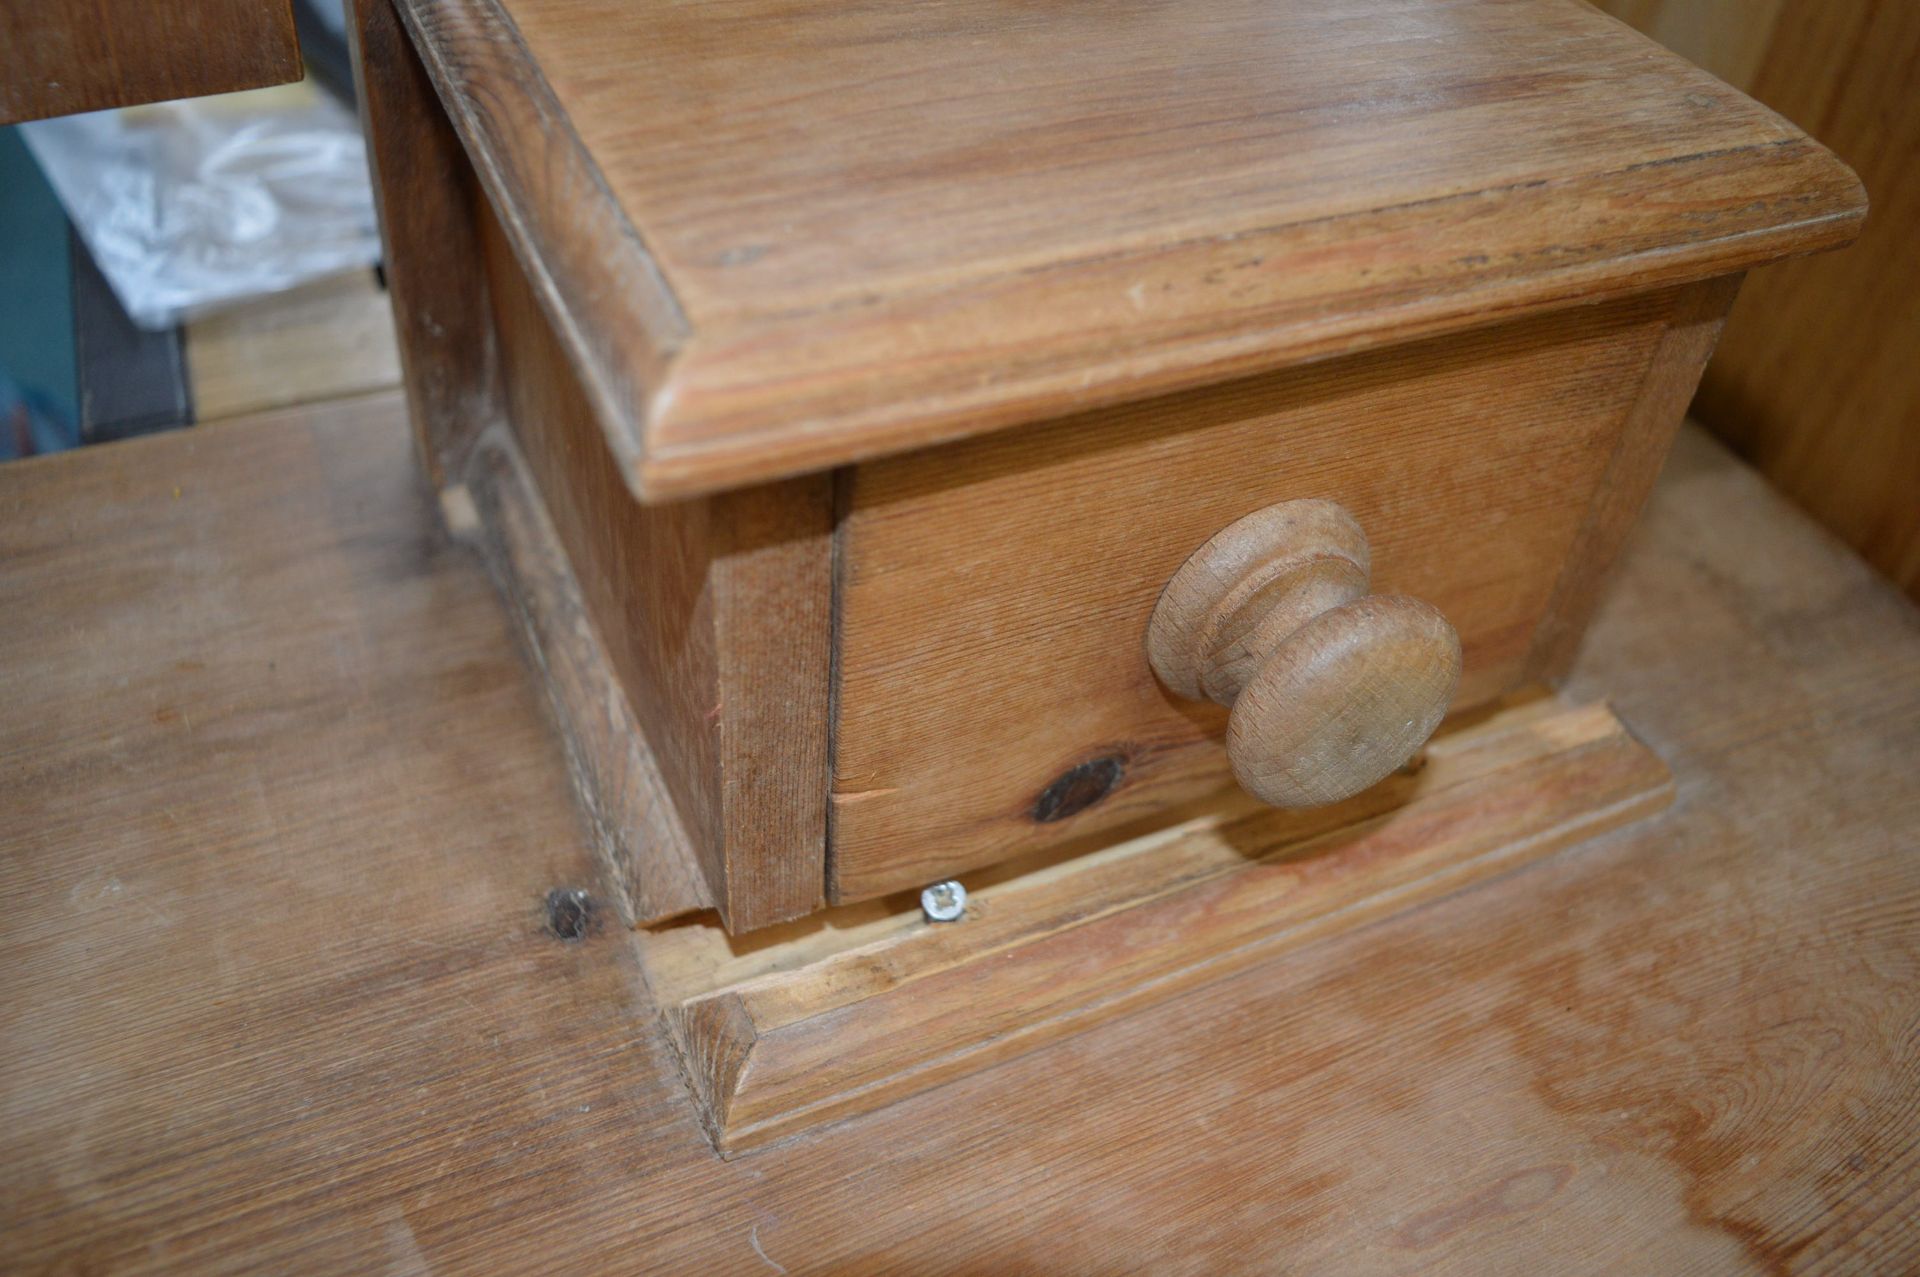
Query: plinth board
(852, 1009)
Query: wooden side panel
(635, 824)
(1699, 310)
(429, 208)
(59, 57)
(994, 693)
(714, 614)
(1815, 382)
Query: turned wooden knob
(1331, 688)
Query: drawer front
(993, 692)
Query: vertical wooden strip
(772, 581)
(1655, 414)
(429, 209)
(1816, 383)
(641, 570)
(604, 297)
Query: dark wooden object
(67, 56)
(280, 817)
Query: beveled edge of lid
(689, 411)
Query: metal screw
(944, 901)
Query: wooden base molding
(636, 830)
(844, 1011)
(852, 1009)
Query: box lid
(781, 235)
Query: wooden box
(876, 367)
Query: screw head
(569, 913)
(944, 901)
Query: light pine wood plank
(281, 815)
(326, 340)
(807, 1037)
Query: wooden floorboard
(280, 815)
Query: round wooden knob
(1331, 687)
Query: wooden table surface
(279, 814)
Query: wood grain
(330, 339)
(90, 55)
(1330, 688)
(1250, 585)
(636, 825)
(1816, 381)
(279, 814)
(715, 615)
(806, 234)
(1349, 698)
(801, 1037)
(994, 595)
(430, 209)
(1638, 452)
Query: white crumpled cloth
(191, 205)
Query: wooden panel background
(58, 57)
(994, 594)
(1817, 380)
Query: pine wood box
(874, 367)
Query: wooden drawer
(994, 595)
(870, 426)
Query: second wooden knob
(1331, 688)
